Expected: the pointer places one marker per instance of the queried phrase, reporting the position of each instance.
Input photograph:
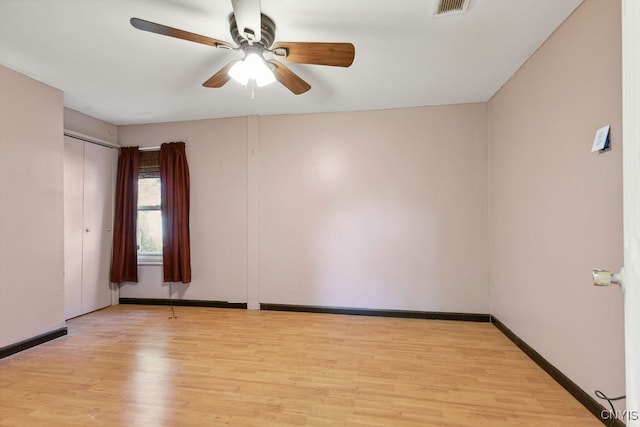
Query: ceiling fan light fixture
(240, 72)
(266, 79)
(253, 67)
(259, 70)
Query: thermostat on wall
(602, 141)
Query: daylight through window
(149, 227)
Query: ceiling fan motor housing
(267, 27)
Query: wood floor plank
(134, 366)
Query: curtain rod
(151, 148)
(90, 139)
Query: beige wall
(217, 155)
(555, 207)
(90, 126)
(383, 209)
(378, 209)
(31, 208)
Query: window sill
(150, 259)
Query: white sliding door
(73, 207)
(88, 178)
(96, 250)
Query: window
(149, 226)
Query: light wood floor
(133, 366)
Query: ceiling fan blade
(289, 79)
(221, 77)
(152, 27)
(336, 54)
(247, 13)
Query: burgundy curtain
(124, 262)
(174, 179)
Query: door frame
(631, 203)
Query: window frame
(148, 258)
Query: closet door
(73, 234)
(97, 223)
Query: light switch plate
(601, 140)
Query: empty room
(366, 213)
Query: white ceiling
(404, 56)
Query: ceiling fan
(254, 34)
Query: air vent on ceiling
(450, 7)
